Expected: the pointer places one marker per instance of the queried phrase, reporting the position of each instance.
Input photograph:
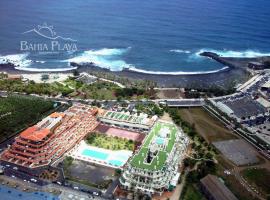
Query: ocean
(151, 36)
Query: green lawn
(158, 162)
(109, 142)
(150, 109)
(99, 90)
(259, 177)
(31, 87)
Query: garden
(109, 142)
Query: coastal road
(169, 102)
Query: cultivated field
(259, 178)
(206, 125)
(18, 112)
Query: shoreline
(223, 78)
(234, 71)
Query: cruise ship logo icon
(48, 32)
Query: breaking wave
(45, 69)
(105, 58)
(111, 59)
(235, 54)
(16, 59)
(179, 72)
(40, 61)
(180, 51)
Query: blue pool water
(115, 158)
(159, 141)
(116, 162)
(95, 154)
(122, 156)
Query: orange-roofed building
(35, 134)
(28, 131)
(50, 138)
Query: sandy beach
(52, 77)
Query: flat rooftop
(34, 133)
(266, 85)
(159, 160)
(43, 128)
(245, 107)
(126, 117)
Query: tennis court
(111, 131)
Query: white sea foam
(16, 59)
(177, 73)
(40, 61)
(235, 54)
(111, 59)
(105, 58)
(45, 69)
(180, 51)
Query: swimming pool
(95, 154)
(159, 141)
(116, 162)
(115, 159)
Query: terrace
(159, 160)
(35, 147)
(127, 118)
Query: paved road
(65, 191)
(27, 175)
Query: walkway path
(179, 188)
(116, 83)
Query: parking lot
(238, 151)
(96, 174)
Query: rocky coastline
(235, 73)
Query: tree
(76, 72)
(267, 63)
(44, 77)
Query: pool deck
(120, 156)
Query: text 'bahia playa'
(53, 42)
